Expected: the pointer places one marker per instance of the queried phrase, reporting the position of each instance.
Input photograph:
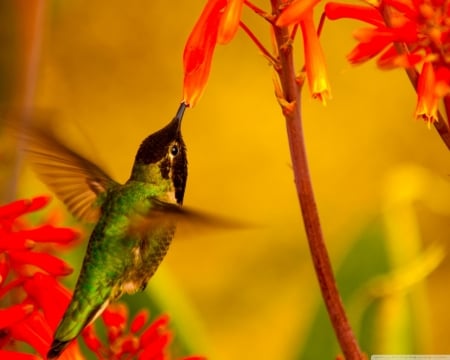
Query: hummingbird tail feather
(56, 349)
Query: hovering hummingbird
(134, 222)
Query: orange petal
(314, 60)
(199, 50)
(368, 14)
(295, 12)
(427, 101)
(229, 22)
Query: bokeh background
(110, 73)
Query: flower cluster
(29, 278)
(409, 34)
(218, 24)
(141, 340)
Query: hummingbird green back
(133, 224)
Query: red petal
(47, 262)
(49, 233)
(373, 43)
(53, 301)
(11, 285)
(139, 320)
(34, 331)
(20, 207)
(405, 7)
(12, 355)
(4, 268)
(390, 59)
(14, 241)
(13, 314)
(155, 347)
(91, 339)
(153, 330)
(442, 74)
(130, 345)
(367, 14)
(115, 315)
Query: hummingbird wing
(76, 181)
(190, 220)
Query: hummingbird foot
(56, 349)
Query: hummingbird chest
(126, 242)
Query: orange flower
(422, 27)
(218, 23)
(295, 12)
(314, 59)
(427, 102)
(301, 12)
(229, 23)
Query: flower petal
(13, 314)
(199, 50)
(20, 207)
(153, 330)
(139, 320)
(295, 12)
(427, 101)
(314, 60)
(53, 301)
(34, 331)
(229, 22)
(12, 355)
(368, 14)
(50, 233)
(47, 262)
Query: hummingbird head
(161, 159)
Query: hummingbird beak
(179, 115)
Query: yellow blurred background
(111, 71)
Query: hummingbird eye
(174, 150)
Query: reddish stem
(319, 254)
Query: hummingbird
(134, 222)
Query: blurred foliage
(111, 73)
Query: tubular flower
(314, 60)
(139, 340)
(301, 12)
(218, 23)
(25, 273)
(421, 29)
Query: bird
(134, 222)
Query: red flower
(141, 340)
(420, 28)
(35, 316)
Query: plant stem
(319, 254)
